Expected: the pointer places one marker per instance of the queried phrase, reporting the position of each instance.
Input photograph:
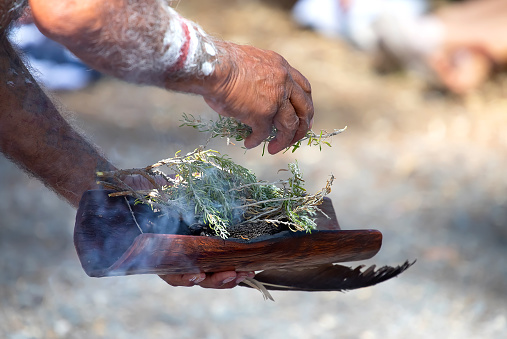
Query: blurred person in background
(456, 47)
(352, 20)
(54, 66)
(144, 42)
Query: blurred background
(420, 163)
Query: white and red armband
(150, 43)
(188, 49)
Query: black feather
(327, 277)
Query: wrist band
(189, 49)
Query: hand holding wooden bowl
(114, 236)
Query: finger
(259, 133)
(221, 280)
(218, 280)
(183, 279)
(260, 130)
(287, 124)
(194, 279)
(224, 280)
(303, 105)
(140, 182)
(301, 80)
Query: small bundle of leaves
(230, 128)
(220, 193)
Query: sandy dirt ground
(427, 170)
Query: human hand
(220, 280)
(261, 90)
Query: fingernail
(199, 280)
(228, 280)
(196, 279)
(240, 279)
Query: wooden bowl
(109, 243)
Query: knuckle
(305, 108)
(309, 109)
(277, 57)
(306, 86)
(268, 109)
(281, 73)
(294, 122)
(288, 124)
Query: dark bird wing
(329, 277)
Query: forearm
(145, 42)
(36, 137)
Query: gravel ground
(425, 169)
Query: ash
(244, 231)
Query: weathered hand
(227, 279)
(261, 89)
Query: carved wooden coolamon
(109, 243)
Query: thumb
(257, 137)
